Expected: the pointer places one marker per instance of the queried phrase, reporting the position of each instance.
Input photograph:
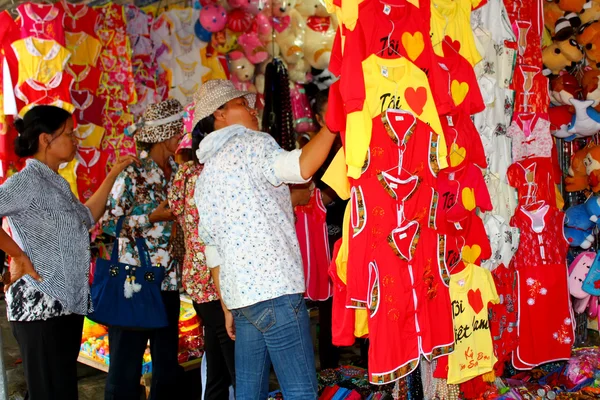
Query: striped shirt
(51, 226)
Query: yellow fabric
(41, 66)
(85, 49)
(390, 83)
(452, 18)
(470, 291)
(68, 172)
(361, 327)
(217, 71)
(335, 177)
(90, 135)
(58, 103)
(560, 202)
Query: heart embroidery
(470, 254)
(459, 91)
(454, 43)
(413, 44)
(457, 154)
(475, 300)
(416, 99)
(468, 199)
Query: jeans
(127, 348)
(219, 351)
(274, 332)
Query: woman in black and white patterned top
(48, 294)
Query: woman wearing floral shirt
(140, 196)
(197, 281)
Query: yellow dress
(85, 49)
(67, 171)
(89, 135)
(471, 290)
(452, 18)
(39, 59)
(390, 83)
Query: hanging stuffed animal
(319, 33)
(242, 71)
(578, 177)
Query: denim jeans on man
(274, 331)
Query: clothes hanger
(455, 148)
(388, 42)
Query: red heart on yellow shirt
(475, 300)
(416, 99)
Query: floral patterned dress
(137, 192)
(196, 277)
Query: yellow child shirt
(39, 59)
(470, 292)
(89, 135)
(390, 83)
(85, 49)
(453, 18)
(67, 171)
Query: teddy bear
(578, 178)
(592, 167)
(242, 71)
(561, 55)
(289, 30)
(590, 87)
(319, 34)
(561, 23)
(590, 12)
(588, 37)
(563, 87)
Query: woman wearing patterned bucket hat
(140, 195)
(247, 224)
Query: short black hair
(38, 120)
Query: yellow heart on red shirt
(468, 199)
(470, 254)
(459, 91)
(413, 44)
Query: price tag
(384, 72)
(393, 185)
(461, 282)
(450, 120)
(458, 226)
(387, 9)
(451, 176)
(399, 118)
(403, 236)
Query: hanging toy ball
(239, 21)
(213, 18)
(201, 33)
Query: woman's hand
(19, 267)
(229, 324)
(162, 213)
(300, 194)
(123, 163)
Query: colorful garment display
(42, 21)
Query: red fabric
(454, 186)
(503, 316)
(90, 171)
(536, 98)
(43, 21)
(410, 313)
(459, 128)
(474, 388)
(9, 33)
(85, 77)
(58, 89)
(311, 229)
(546, 325)
(335, 117)
(533, 179)
(342, 319)
(456, 68)
(382, 187)
(370, 36)
(468, 244)
(329, 392)
(335, 60)
(88, 108)
(79, 18)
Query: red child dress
(545, 327)
(313, 238)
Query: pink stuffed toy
(213, 18)
(253, 48)
(242, 71)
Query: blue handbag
(128, 296)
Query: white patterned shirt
(246, 215)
